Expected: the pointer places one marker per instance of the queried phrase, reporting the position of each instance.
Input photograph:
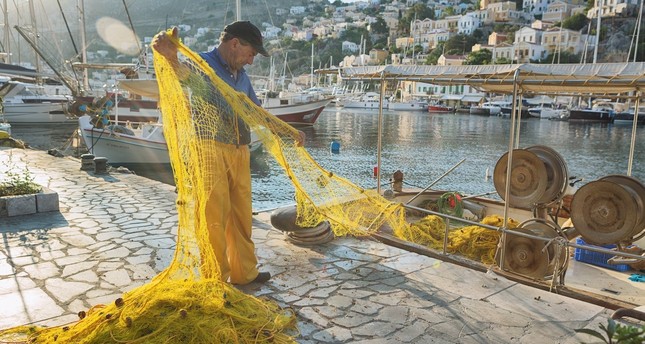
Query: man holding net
(228, 208)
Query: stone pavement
(115, 232)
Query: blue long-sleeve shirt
(226, 119)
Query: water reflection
(423, 146)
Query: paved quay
(115, 232)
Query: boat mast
(81, 12)
(595, 50)
(32, 13)
(311, 84)
(6, 32)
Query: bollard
(100, 165)
(397, 181)
(87, 162)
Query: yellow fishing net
(181, 305)
(475, 242)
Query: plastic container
(597, 258)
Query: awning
(451, 97)
(561, 79)
(471, 99)
(143, 87)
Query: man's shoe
(262, 277)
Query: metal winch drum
(538, 177)
(609, 210)
(535, 258)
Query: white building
(350, 47)
(467, 24)
(296, 10)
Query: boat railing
(625, 257)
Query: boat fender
(335, 147)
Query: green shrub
(617, 333)
(19, 184)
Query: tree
(379, 27)
(418, 11)
(434, 55)
(481, 57)
(576, 22)
(460, 44)
(503, 60)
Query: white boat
(546, 111)
(26, 103)
(130, 145)
(302, 114)
(296, 108)
(6, 127)
(409, 105)
(493, 108)
(369, 100)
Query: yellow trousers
(229, 211)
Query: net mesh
(187, 302)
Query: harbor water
(423, 146)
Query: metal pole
(633, 141)
(435, 181)
(380, 132)
(509, 168)
(86, 78)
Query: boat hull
(36, 113)
(304, 114)
(479, 111)
(407, 106)
(591, 116)
(628, 118)
(439, 109)
(129, 148)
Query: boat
(407, 105)
(296, 108)
(506, 107)
(493, 108)
(6, 127)
(369, 100)
(126, 143)
(479, 110)
(546, 111)
(26, 103)
(627, 117)
(600, 112)
(439, 108)
(132, 144)
(528, 258)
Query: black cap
(248, 32)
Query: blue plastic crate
(597, 258)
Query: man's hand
(164, 43)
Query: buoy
(375, 171)
(335, 147)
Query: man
(228, 209)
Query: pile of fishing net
(475, 242)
